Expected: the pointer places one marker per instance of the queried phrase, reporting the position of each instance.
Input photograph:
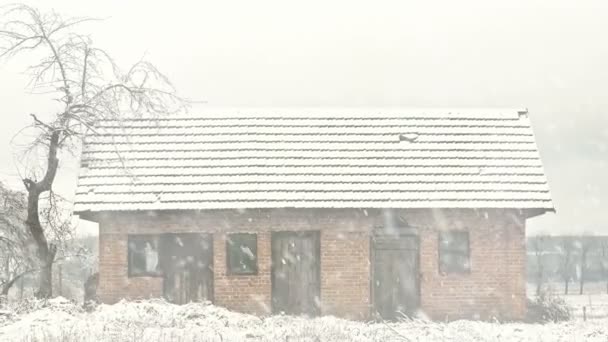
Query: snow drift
(156, 320)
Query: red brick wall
(246, 293)
(494, 287)
(345, 272)
(344, 256)
(113, 281)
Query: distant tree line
(571, 260)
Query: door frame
(314, 233)
(400, 232)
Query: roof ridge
(219, 113)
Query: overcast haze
(548, 56)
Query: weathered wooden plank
(395, 269)
(187, 261)
(295, 272)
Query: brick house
(345, 212)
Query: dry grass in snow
(156, 320)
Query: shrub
(547, 307)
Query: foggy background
(549, 56)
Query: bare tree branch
(91, 88)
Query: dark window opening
(242, 253)
(143, 256)
(454, 252)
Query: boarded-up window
(143, 256)
(241, 253)
(454, 252)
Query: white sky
(549, 56)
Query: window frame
(131, 238)
(466, 269)
(237, 271)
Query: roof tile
(314, 159)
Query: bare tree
(603, 245)
(538, 247)
(14, 239)
(89, 86)
(585, 245)
(16, 257)
(567, 248)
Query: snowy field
(596, 306)
(155, 320)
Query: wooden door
(187, 263)
(395, 287)
(295, 272)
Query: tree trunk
(582, 280)
(45, 289)
(60, 280)
(566, 270)
(21, 285)
(45, 251)
(539, 276)
(7, 269)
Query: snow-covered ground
(595, 305)
(156, 320)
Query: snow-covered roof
(314, 158)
